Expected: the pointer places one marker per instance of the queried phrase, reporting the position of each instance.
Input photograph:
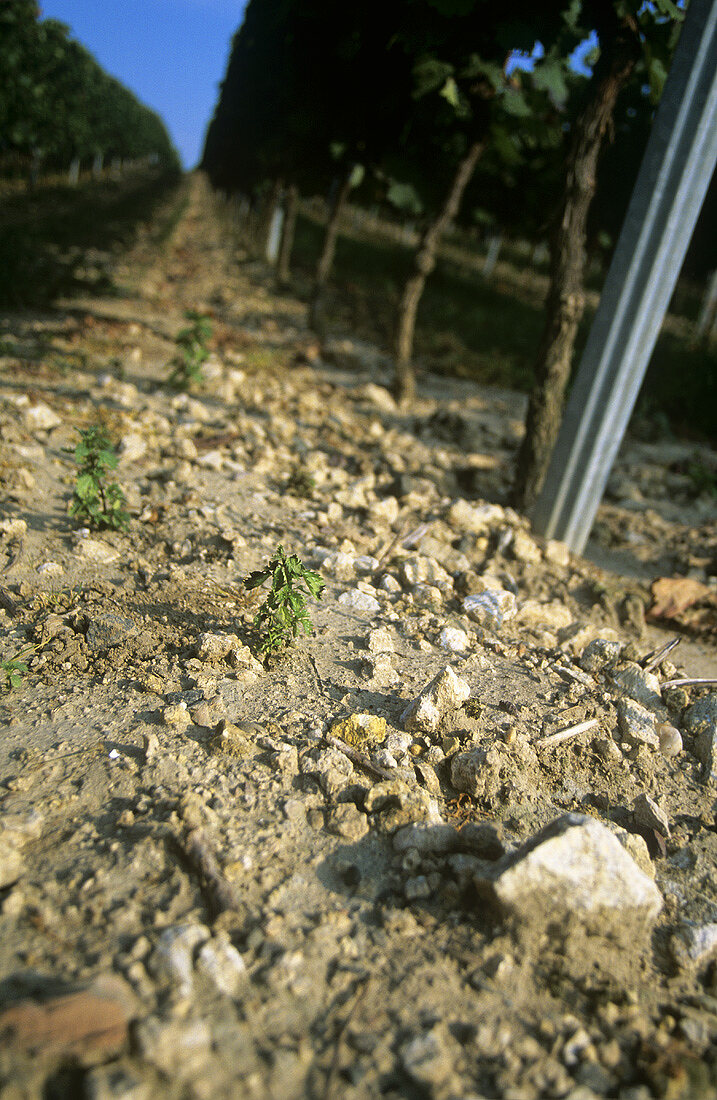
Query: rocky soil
(459, 843)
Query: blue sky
(171, 53)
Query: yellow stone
(360, 729)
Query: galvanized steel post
(676, 171)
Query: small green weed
(192, 351)
(98, 503)
(284, 611)
(12, 669)
(300, 483)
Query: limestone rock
(525, 548)
(173, 957)
(222, 964)
(453, 639)
(484, 770)
(474, 519)
(599, 654)
(444, 693)
(492, 607)
(400, 804)
(648, 815)
(694, 945)
(347, 821)
(41, 418)
(701, 720)
(380, 640)
(643, 687)
(357, 600)
(332, 768)
(422, 570)
(133, 447)
(637, 724)
(575, 867)
(16, 830)
(97, 551)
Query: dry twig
(357, 757)
(566, 734)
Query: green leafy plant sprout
(100, 503)
(284, 612)
(300, 483)
(191, 352)
(12, 669)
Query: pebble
(670, 739)
(491, 608)
(637, 724)
(41, 418)
(400, 804)
(599, 654)
(416, 888)
(384, 758)
(177, 716)
(97, 551)
(701, 720)
(643, 687)
(217, 648)
(427, 839)
(475, 519)
(380, 640)
(425, 571)
(557, 553)
(381, 672)
(445, 692)
(222, 964)
(360, 730)
(50, 569)
(553, 616)
(347, 821)
(211, 460)
(333, 769)
(399, 743)
(454, 639)
(133, 447)
(340, 565)
(173, 957)
(648, 815)
(16, 830)
(576, 866)
(106, 631)
(694, 945)
(525, 548)
(357, 600)
(384, 512)
(427, 1059)
(176, 1047)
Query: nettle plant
(11, 672)
(284, 612)
(192, 350)
(98, 502)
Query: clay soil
(187, 851)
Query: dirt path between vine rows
(460, 842)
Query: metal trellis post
(676, 171)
